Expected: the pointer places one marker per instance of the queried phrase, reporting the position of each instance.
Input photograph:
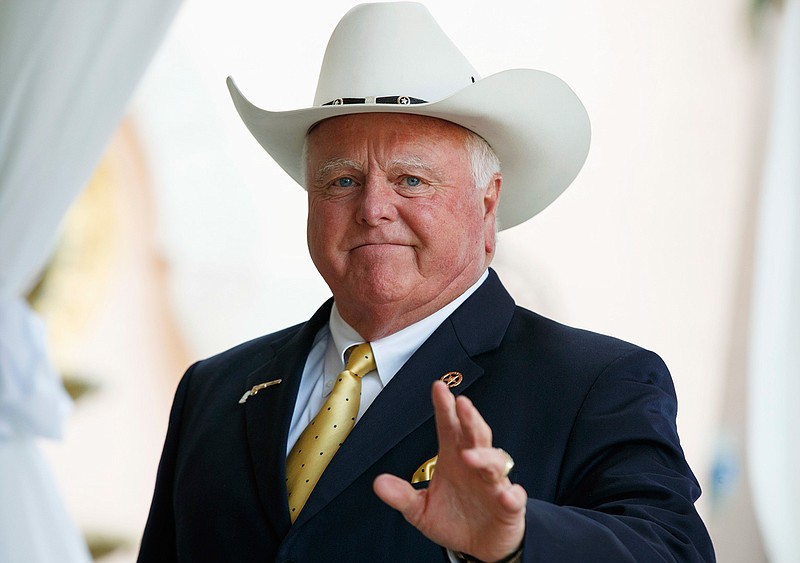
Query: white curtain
(67, 70)
(774, 356)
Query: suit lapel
(401, 407)
(268, 416)
(405, 403)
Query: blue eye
(344, 183)
(412, 181)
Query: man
(566, 449)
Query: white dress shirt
(326, 360)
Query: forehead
(387, 128)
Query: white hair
(483, 159)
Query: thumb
(400, 495)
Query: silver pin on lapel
(256, 388)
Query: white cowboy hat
(394, 58)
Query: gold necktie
(325, 433)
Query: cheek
(317, 228)
(455, 232)
(327, 233)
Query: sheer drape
(774, 358)
(67, 69)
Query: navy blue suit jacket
(589, 421)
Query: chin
(377, 284)
(382, 290)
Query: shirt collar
(392, 351)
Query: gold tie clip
(256, 388)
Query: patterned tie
(325, 433)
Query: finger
(400, 495)
(514, 499)
(492, 463)
(444, 407)
(477, 433)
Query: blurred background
(180, 237)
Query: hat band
(399, 100)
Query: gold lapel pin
(256, 388)
(452, 379)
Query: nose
(377, 205)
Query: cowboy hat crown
(394, 58)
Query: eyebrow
(412, 161)
(333, 164)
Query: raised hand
(470, 506)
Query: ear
(491, 200)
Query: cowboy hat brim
(535, 123)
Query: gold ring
(509, 463)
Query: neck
(376, 322)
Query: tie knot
(361, 360)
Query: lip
(377, 249)
(368, 244)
